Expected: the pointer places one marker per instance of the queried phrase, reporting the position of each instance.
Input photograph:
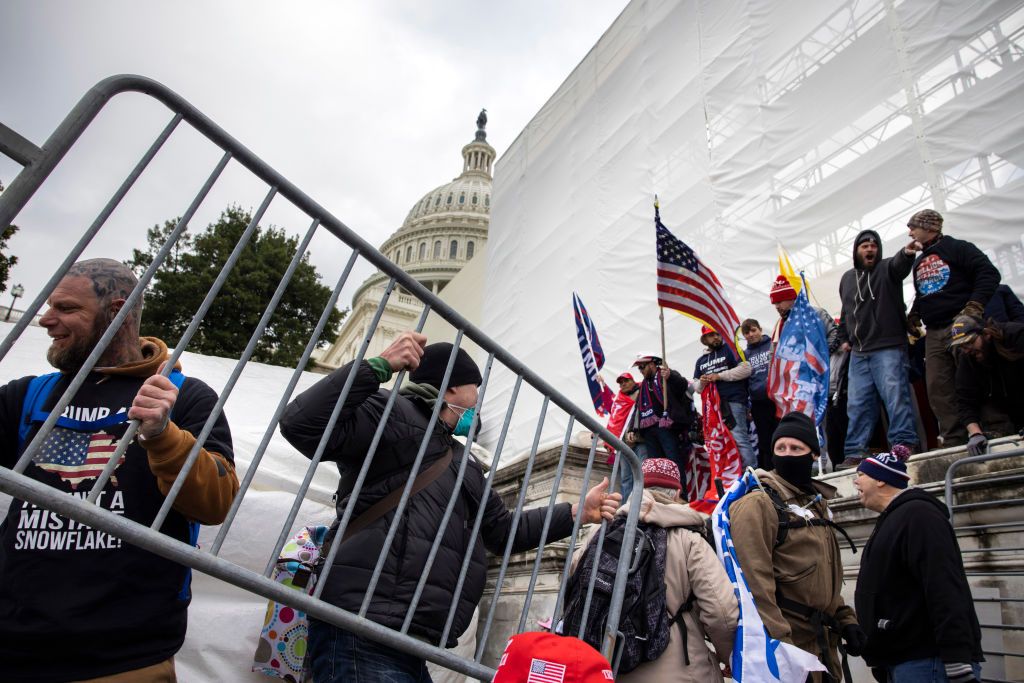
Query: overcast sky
(364, 105)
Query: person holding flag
(721, 366)
(781, 535)
(663, 414)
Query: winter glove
(974, 309)
(977, 444)
(855, 639)
(960, 673)
(913, 322)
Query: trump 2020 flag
(756, 656)
(593, 358)
(798, 373)
(724, 458)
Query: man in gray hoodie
(873, 327)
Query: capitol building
(441, 233)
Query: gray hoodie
(874, 315)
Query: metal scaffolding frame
(39, 162)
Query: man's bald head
(111, 281)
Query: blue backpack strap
(39, 389)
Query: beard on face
(72, 357)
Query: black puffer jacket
(874, 315)
(303, 425)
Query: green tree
(180, 285)
(6, 261)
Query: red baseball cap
(625, 375)
(542, 656)
(705, 330)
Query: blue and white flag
(798, 373)
(756, 656)
(593, 358)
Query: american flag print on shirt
(543, 671)
(77, 456)
(686, 285)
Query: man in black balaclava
(781, 531)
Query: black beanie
(800, 427)
(435, 360)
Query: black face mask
(796, 469)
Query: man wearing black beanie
(338, 655)
(790, 556)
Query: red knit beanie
(661, 472)
(782, 290)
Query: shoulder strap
(390, 501)
(785, 522)
(39, 389)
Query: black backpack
(645, 622)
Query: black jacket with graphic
(874, 315)
(77, 603)
(304, 423)
(912, 596)
(947, 275)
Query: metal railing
(39, 162)
(953, 507)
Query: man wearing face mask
(784, 539)
(340, 656)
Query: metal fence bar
(516, 516)
(250, 471)
(282, 537)
(998, 599)
(1003, 627)
(457, 486)
(17, 147)
(957, 464)
(197, 319)
(86, 238)
(593, 571)
(236, 372)
(547, 525)
(115, 324)
(993, 550)
(481, 509)
(998, 525)
(26, 489)
(987, 504)
(996, 653)
(556, 615)
(403, 501)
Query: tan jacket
(806, 568)
(690, 566)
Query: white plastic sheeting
(757, 123)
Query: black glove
(977, 444)
(855, 639)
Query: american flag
(77, 456)
(688, 286)
(542, 671)
(798, 373)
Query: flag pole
(661, 319)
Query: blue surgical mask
(465, 419)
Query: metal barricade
(986, 483)
(40, 162)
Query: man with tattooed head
(77, 603)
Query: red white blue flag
(686, 285)
(798, 373)
(593, 358)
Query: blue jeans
(337, 656)
(741, 434)
(923, 671)
(626, 474)
(665, 443)
(873, 375)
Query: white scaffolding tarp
(757, 123)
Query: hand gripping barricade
(40, 162)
